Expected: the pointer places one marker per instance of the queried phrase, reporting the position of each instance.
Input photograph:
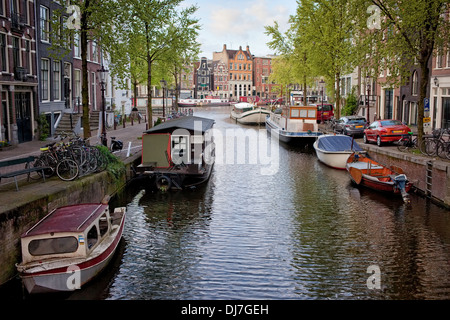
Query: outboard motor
(400, 183)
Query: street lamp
(102, 76)
(163, 86)
(322, 86)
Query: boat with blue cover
(335, 149)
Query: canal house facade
(204, 79)
(18, 73)
(55, 73)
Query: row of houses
(230, 74)
(379, 100)
(35, 83)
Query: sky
(239, 23)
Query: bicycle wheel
(422, 146)
(67, 169)
(431, 147)
(402, 145)
(441, 149)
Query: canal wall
(27, 206)
(417, 168)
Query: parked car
(351, 125)
(382, 131)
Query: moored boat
(334, 150)
(294, 125)
(248, 113)
(69, 247)
(371, 174)
(177, 154)
(206, 102)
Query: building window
(3, 53)
(2, 7)
(415, 84)
(45, 79)
(56, 81)
(44, 23)
(76, 46)
(77, 76)
(16, 51)
(94, 52)
(94, 96)
(28, 62)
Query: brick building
(18, 73)
(265, 89)
(240, 71)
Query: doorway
(23, 116)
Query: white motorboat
(334, 150)
(247, 113)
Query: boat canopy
(190, 123)
(338, 143)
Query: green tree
(90, 20)
(322, 36)
(152, 32)
(405, 33)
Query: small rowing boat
(371, 174)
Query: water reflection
(305, 233)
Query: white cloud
(241, 22)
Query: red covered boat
(69, 247)
(369, 173)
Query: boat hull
(334, 150)
(73, 274)
(336, 160)
(370, 174)
(250, 117)
(300, 138)
(384, 187)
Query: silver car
(351, 125)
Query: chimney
(224, 47)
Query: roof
(67, 219)
(191, 123)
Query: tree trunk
(305, 95)
(338, 95)
(424, 82)
(149, 81)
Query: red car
(382, 131)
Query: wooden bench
(27, 170)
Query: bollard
(129, 149)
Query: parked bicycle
(407, 142)
(71, 159)
(436, 144)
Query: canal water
(302, 231)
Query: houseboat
(294, 124)
(248, 113)
(178, 154)
(69, 247)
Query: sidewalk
(130, 136)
